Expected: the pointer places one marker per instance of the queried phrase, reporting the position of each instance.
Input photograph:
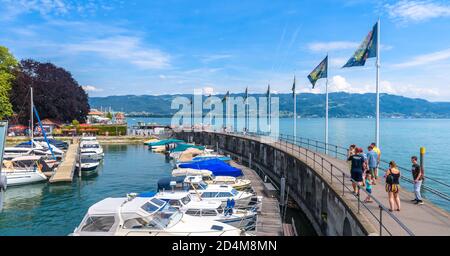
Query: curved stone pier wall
(323, 205)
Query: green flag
(293, 88)
(226, 96)
(367, 49)
(321, 71)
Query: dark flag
(321, 71)
(226, 96)
(293, 88)
(246, 94)
(367, 49)
(268, 91)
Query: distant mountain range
(308, 105)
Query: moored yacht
(25, 170)
(214, 210)
(138, 216)
(91, 149)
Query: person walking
(417, 174)
(356, 171)
(378, 151)
(393, 186)
(372, 162)
(369, 183)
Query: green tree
(7, 65)
(75, 122)
(109, 115)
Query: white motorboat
(24, 170)
(88, 165)
(138, 216)
(34, 148)
(213, 192)
(91, 150)
(194, 206)
(209, 178)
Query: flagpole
(295, 116)
(377, 122)
(326, 116)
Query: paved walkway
(64, 172)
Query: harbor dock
(65, 172)
(268, 222)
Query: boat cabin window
(135, 223)
(149, 207)
(98, 224)
(209, 194)
(209, 212)
(175, 203)
(185, 200)
(220, 209)
(224, 194)
(234, 192)
(193, 212)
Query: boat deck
(269, 220)
(64, 173)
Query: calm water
(43, 209)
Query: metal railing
(302, 147)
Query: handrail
(294, 148)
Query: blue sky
(117, 47)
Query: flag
(293, 88)
(321, 71)
(226, 96)
(268, 91)
(246, 94)
(190, 100)
(367, 49)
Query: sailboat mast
(31, 117)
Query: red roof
(49, 121)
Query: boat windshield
(185, 200)
(90, 146)
(153, 205)
(166, 218)
(98, 224)
(202, 185)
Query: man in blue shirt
(372, 162)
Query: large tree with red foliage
(56, 94)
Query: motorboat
(195, 185)
(143, 216)
(25, 170)
(218, 167)
(57, 143)
(214, 210)
(38, 149)
(87, 165)
(91, 150)
(208, 177)
(42, 145)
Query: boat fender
(3, 183)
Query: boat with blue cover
(218, 167)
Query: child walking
(369, 182)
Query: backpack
(390, 178)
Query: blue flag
(367, 49)
(321, 71)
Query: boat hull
(22, 178)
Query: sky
(118, 47)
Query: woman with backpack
(393, 186)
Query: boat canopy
(218, 167)
(182, 147)
(164, 142)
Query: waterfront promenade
(419, 220)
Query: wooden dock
(64, 173)
(269, 219)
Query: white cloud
(332, 46)
(127, 48)
(208, 90)
(90, 88)
(416, 11)
(425, 59)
